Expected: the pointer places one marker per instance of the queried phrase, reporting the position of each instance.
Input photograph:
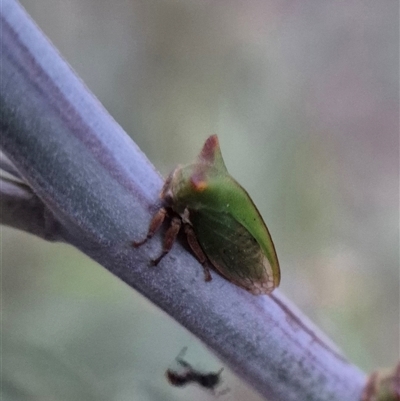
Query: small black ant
(208, 380)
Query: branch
(8, 167)
(100, 189)
(22, 209)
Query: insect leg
(154, 226)
(183, 363)
(182, 353)
(170, 237)
(179, 358)
(196, 248)
(223, 392)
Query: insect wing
(232, 250)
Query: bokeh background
(305, 99)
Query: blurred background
(304, 97)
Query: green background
(304, 99)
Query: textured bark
(94, 189)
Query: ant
(208, 380)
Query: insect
(223, 227)
(189, 375)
